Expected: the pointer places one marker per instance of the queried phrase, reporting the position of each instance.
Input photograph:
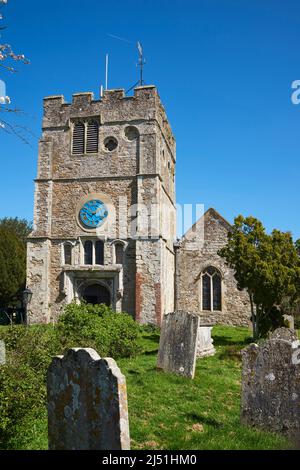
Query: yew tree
(12, 267)
(268, 267)
(298, 246)
(13, 235)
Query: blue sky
(223, 68)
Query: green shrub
(21, 391)
(31, 348)
(31, 345)
(111, 334)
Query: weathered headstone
(271, 383)
(289, 321)
(285, 334)
(87, 403)
(2, 353)
(205, 345)
(178, 343)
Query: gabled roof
(211, 212)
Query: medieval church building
(105, 217)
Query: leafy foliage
(31, 348)
(20, 227)
(172, 412)
(268, 266)
(13, 235)
(108, 332)
(297, 244)
(12, 266)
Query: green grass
(170, 412)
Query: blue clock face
(93, 213)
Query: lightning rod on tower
(141, 62)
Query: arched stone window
(119, 253)
(211, 281)
(68, 253)
(88, 252)
(99, 252)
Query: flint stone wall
(142, 171)
(271, 383)
(197, 250)
(87, 403)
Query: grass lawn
(171, 412)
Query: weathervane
(140, 64)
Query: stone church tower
(104, 213)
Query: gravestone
(178, 343)
(205, 345)
(87, 403)
(2, 353)
(271, 383)
(289, 321)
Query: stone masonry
(140, 172)
(135, 179)
(197, 250)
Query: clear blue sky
(223, 68)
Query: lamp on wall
(26, 299)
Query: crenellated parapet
(113, 107)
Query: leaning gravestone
(178, 343)
(2, 353)
(271, 383)
(87, 403)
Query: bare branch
(15, 130)
(8, 55)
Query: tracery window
(211, 289)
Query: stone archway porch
(76, 279)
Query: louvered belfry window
(85, 137)
(92, 137)
(78, 138)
